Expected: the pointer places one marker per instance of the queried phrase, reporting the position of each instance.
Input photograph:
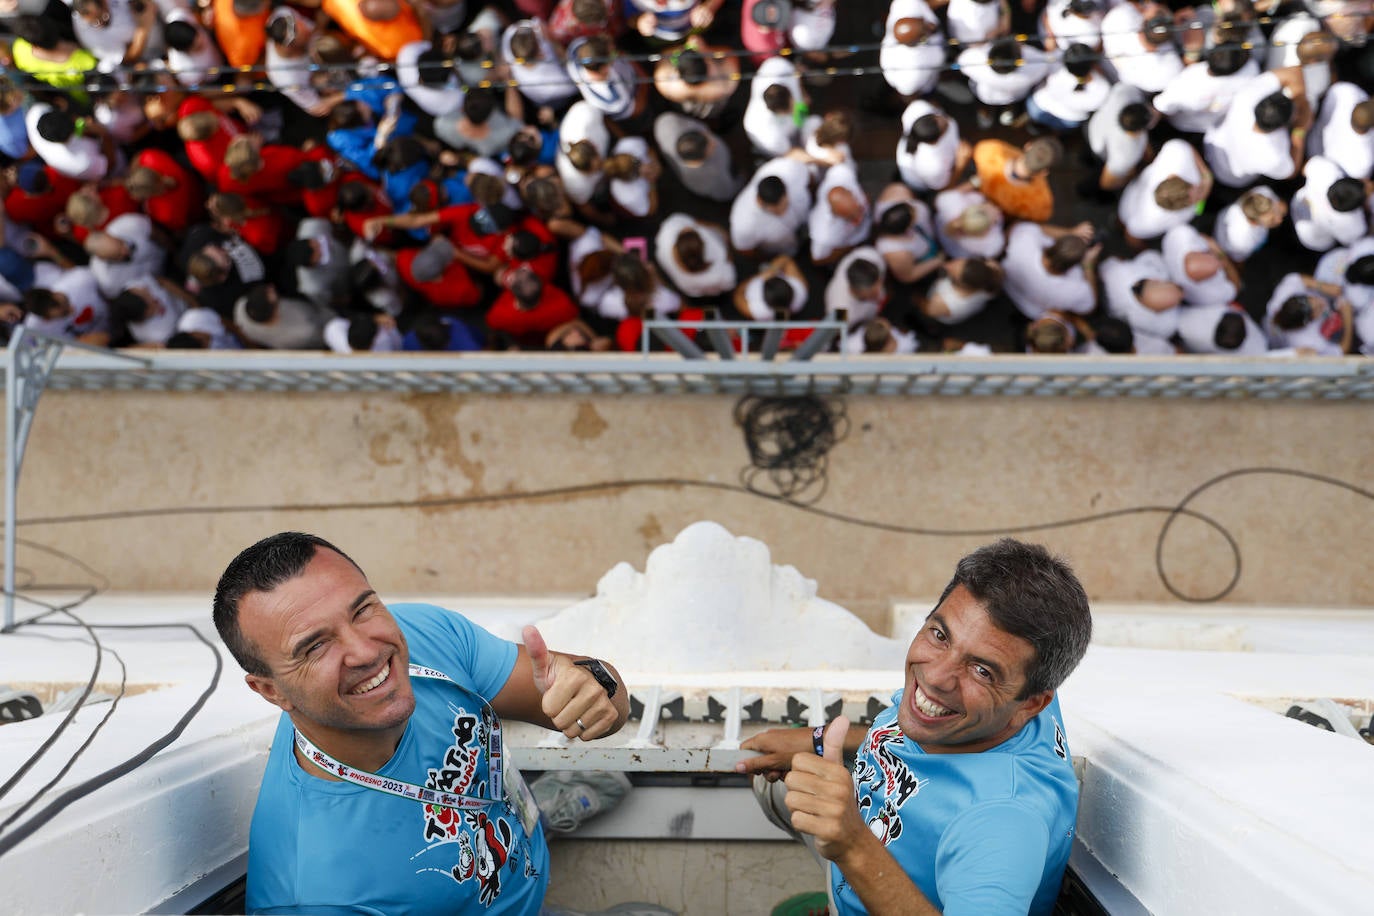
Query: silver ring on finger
(580, 724)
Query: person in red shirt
(529, 309)
(258, 169)
(91, 207)
(437, 276)
(261, 226)
(38, 197)
(206, 132)
(171, 196)
(358, 200)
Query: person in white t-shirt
(1307, 314)
(119, 32)
(615, 86)
(1243, 227)
(1328, 210)
(1197, 264)
(428, 82)
(1196, 100)
(912, 54)
(968, 225)
(1137, 43)
(590, 257)
(1252, 140)
(1051, 268)
(539, 72)
(638, 291)
(973, 22)
(150, 309)
(78, 147)
(841, 217)
(1119, 134)
(633, 170)
(1225, 329)
(1166, 193)
(191, 52)
(857, 286)
(364, 332)
(1352, 269)
(1004, 72)
(777, 111)
(68, 304)
(930, 153)
(767, 214)
(1139, 292)
(583, 142)
(1344, 131)
(904, 235)
(1072, 91)
(1067, 22)
(963, 289)
(812, 25)
(879, 336)
(695, 256)
(289, 65)
(123, 252)
(779, 289)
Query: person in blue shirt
(963, 798)
(387, 789)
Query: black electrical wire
(789, 441)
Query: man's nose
(942, 672)
(360, 650)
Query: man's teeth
(375, 682)
(929, 707)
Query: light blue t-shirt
(986, 833)
(320, 846)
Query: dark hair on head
(479, 105)
(261, 568)
(524, 149)
(363, 276)
(596, 51)
(126, 308)
(362, 331)
(691, 66)
(690, 249)
(777, 98)
(691, 146)
(185, 340)
(180, 35)
(281, 30)
(1361, 271)
(631, 274)
(778, 294)
(1066, 252)
(582, 154)
(347, 115)
(486, 189)
(1003, 55)
(525, 245)
(1032, 595)
(39, 31)
(862, 274)
(1079, 60)
(925, 129)
(524, 44)
(896, 220)
(1227, 58)
(1134, 117)
(1272, 112)
(56, 126)
(877, 334)
(1138, 287)
(1079, 8)
(431, 331)
(589, 12)
(1115, 336)
(41, 302)
(1294, 313)
(433, 66)
(1346, 195)
(1230, 332)
(401, 153)
(258, 304)
(468, 47)
(772, 190)
(354, 196)
(1158, 30)
(300, 253)
(982, 274)
(308, 175)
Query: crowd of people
(375, 175)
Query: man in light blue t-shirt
(963, 798)
(387, 790)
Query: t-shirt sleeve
(991, 860)
(462, 650)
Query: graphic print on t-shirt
(880, 776)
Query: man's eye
(982, 672)
(937, 634)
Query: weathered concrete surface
(535, 494)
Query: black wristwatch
(603, 677)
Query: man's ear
(1032, 706)
(266, 687)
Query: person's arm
(179, 292)
(146, 16)
(778, 747)
(820, 795)
(546, 688)
(1347, 313)
(373, 225)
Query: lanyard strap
(410, 790)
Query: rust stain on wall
(443, 438)
(588, 424)
(651, 531)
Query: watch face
(598, 671)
